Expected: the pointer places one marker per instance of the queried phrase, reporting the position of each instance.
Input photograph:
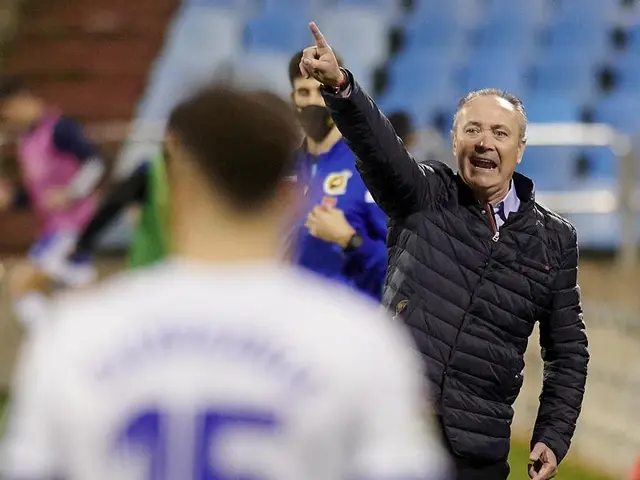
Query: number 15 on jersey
(149, 434)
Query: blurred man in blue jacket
(343, 232)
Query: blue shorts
(51, 254)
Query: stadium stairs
(89, 58)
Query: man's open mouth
(484, 163)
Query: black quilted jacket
(471, 297)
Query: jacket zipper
(488, 209)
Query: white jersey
(185, 372)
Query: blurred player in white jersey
(221, 363)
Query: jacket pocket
(535, 264)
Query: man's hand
(329, 224)
(57, 199)
(545, 464)
(319, 61)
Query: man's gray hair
(496, 92)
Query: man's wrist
(342, 85)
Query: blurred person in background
(403, 126)
(147, 189)
(221, 362)
(474, 263)
(61, 169)
(424, 144)
(343, 237)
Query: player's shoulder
(103, 298)
(331, 309)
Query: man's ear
(521, 148)
(454, 142)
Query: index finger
(317, 35)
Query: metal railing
(595, 201)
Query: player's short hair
(496, 92)
(243, 142)
(294, 65)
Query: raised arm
(397, 183)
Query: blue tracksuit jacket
(332, 177)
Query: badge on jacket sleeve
(336, 182)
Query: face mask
(316, 122)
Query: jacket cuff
(333, 97)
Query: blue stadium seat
(601, 165)
(633, 38)
(498, 69)
(579, 37)
(419, 107)
(359, 34)
(425, 32)
(412, 73)
(551, 168)
(557, 75)
(626, 70)
(527, 13)
(547, 108)
(263, 70)
(389, 7)
(273, 31)
(283, 7)
(458, 13)
(502, 32)
(418, 84)
(171, 80)
(619, 110)
(595, 10)
(208, 31)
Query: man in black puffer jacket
(474, 262)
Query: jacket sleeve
(129, 191)
(371, 257)
(563, 340)
(397, 182)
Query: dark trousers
(467, 469)
(470, 470)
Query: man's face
(306, 91)
(487, 142)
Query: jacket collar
(524, 187)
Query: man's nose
(485, 143)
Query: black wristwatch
(355, 242)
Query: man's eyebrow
(476, 123)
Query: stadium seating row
(570, 60)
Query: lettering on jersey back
(227, 345)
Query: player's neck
(222, 239)
(318, 148)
